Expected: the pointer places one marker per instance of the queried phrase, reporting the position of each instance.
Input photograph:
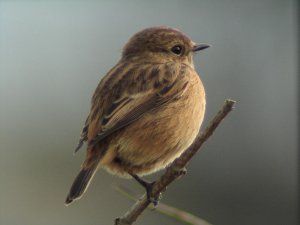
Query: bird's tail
(81, 183)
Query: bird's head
(161, 44)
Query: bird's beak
(199, 47)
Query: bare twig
(165, 209)
(176, 169)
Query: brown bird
(146, 111)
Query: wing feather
(83, 135)
(146, 90)
(136, 108)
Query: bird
(145, 112)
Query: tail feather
(80, 184)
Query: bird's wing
(136, 100)
(131, 109)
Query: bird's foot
(150, 197)
(149, 187)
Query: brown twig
(177, 168)
(165, 209)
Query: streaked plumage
(147, 109)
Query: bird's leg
(148, 186)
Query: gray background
(52, 56)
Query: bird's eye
(177, 49)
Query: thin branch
(181, 215)
(165, 209)
(177, 168)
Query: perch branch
(165, 209)
(177, 168)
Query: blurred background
(52, 56)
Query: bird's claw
(150, 197)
